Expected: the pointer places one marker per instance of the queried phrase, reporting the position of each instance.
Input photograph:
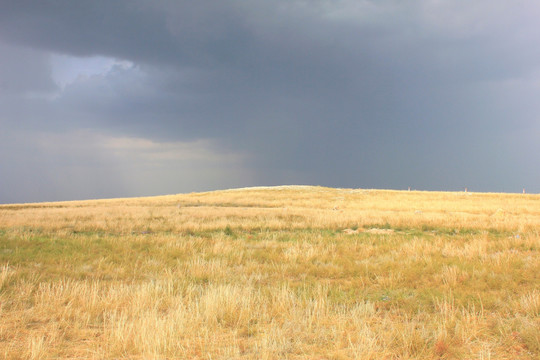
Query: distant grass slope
(270, 273)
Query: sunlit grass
(297, 273)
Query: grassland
(273, 273)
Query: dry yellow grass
(273, 273)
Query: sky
(102, 99)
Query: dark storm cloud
(84, 28)
(344, 93)
(24, 70)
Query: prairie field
(290, 272)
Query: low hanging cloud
(433, 95)
(84, 164)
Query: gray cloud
(342, 93)
(24, 70)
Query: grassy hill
(291, 272)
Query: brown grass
(273, 273)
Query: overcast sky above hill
(142, 97)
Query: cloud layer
(385, 94)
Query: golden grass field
(273, 273)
